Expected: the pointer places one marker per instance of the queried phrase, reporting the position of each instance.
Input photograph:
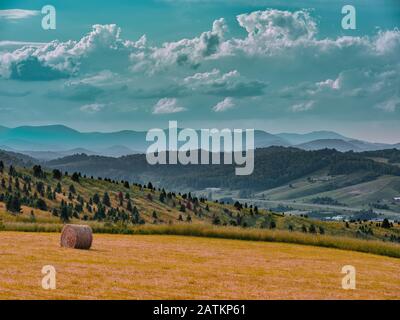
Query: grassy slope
(171, 267)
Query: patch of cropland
(33, 199)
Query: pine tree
(58, 188)
(121, 198)
(11, 171)
(13, 204)
(100, 213)
(129, 206)
(64, 215)
(96, 198)
(106, 200)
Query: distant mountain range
(57, 141)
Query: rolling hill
(298, 138)
(358, 180)
(337, 144)
(274, 166)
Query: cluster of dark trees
(326, 201)
(392, 155)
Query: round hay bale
(76, 236)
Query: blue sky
(271, 65)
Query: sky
(279, 66)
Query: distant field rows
(174, 267)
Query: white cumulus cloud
(65, 58)
(17, 14)
(92, 108)
(183, 52)
(304, 106)
(223, 84)
(167, 105)
(224, 105)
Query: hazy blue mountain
(61, 138)
(342, 145)
(264, 139)
(117, 151)
(337, 144)
(51, 155)
(369, 146)
(298, 138)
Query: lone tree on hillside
(58, 188)
(385, 223)
(64, 215)
(106, 200)
(11, 171)
(38, 172)
(57, 174)
(72, 189)
(75, 177)
(96, 198)
(1, 166)
(13, 204)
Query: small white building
(396, 199)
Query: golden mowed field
(176, 267)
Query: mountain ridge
(56, 140)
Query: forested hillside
(273, 167)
